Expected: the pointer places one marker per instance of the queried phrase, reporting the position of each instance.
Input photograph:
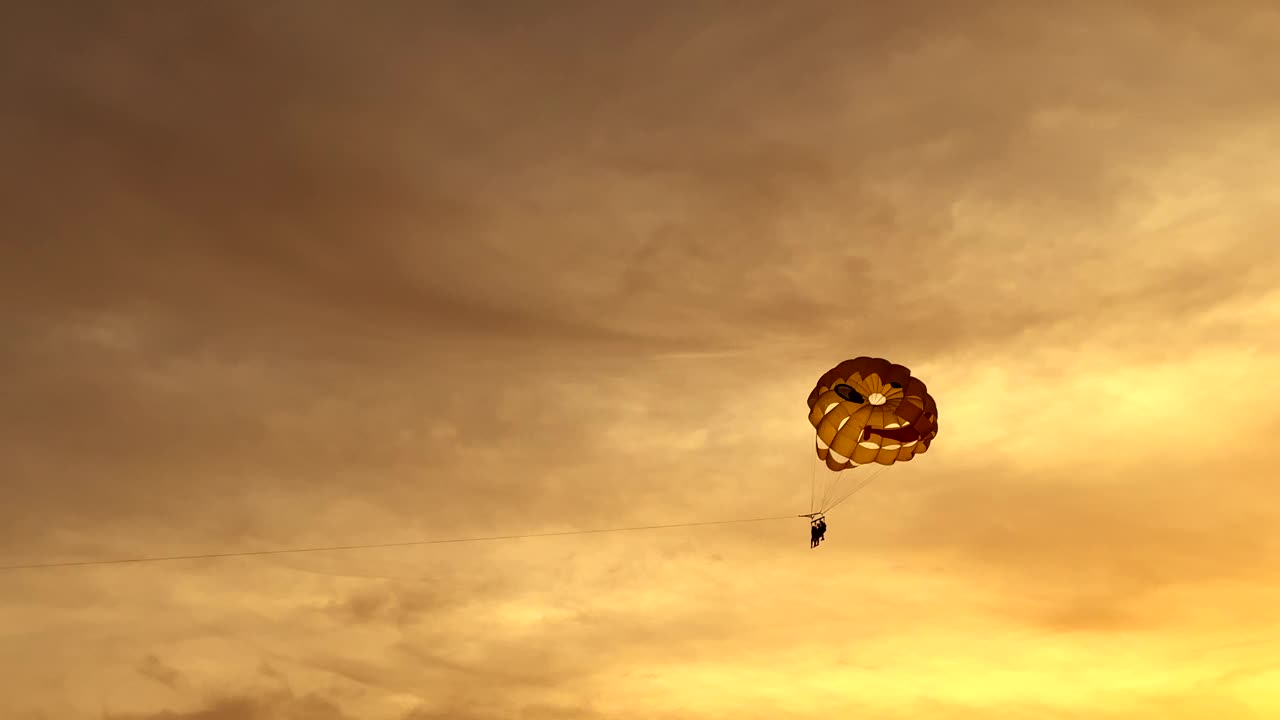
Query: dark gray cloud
(156, 669)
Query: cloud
(293, 279)
(273, 706)
(156, 669)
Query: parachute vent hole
(849, 393)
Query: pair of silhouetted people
(817, 531)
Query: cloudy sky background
(292, 274)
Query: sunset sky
(313, 273)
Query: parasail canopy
(868, 410)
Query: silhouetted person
(821, 528)
(813, 534)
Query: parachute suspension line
(833, 486)
(830, 479)
(859, 486)
(823, 479)
(813, 481)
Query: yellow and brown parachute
(868, 410)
